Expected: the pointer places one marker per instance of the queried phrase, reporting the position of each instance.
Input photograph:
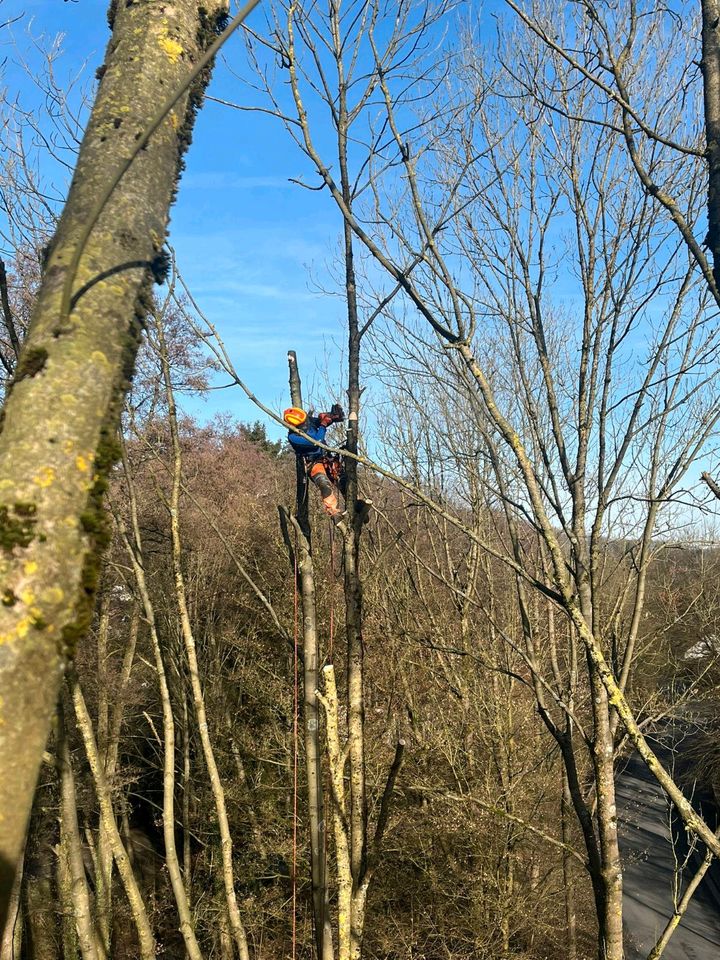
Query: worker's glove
(337, 413)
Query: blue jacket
(303, 447)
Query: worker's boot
(362, 510)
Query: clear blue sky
(253, 246)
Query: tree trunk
(610, 925)
(568, 881)
(336, 759)
(305, 574)
(42, 941)
(351, 564)
(302, 511)
(64, 885)
(104, 860)
(135, 899)
(226, 845)
(179, 888)
(313, 765)
(710, 64)
(71, 846)
(56, 445)
(40, 901)
(12, 933)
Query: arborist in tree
(326, 470)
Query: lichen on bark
(57, 445)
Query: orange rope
(296, 709)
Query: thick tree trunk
(351, 566)
(610, 901)
(610, 925)
(710, 64)
(336, 759)
(57, 446)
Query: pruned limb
(295, 382)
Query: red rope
(296, 710)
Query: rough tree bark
(57, 442)
(311, 714)
(710, 64)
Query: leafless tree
(60, 417)
(498, 195)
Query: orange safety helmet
(295, 416)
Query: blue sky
(254, 248)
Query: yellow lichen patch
(27, 596)
(81, 463)
(174, 120)
(30, 568)
(171, 47)
(53, 595)
(68, 446)
(45, 477)
(69, 398)
(99, 357)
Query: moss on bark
(57, 444)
